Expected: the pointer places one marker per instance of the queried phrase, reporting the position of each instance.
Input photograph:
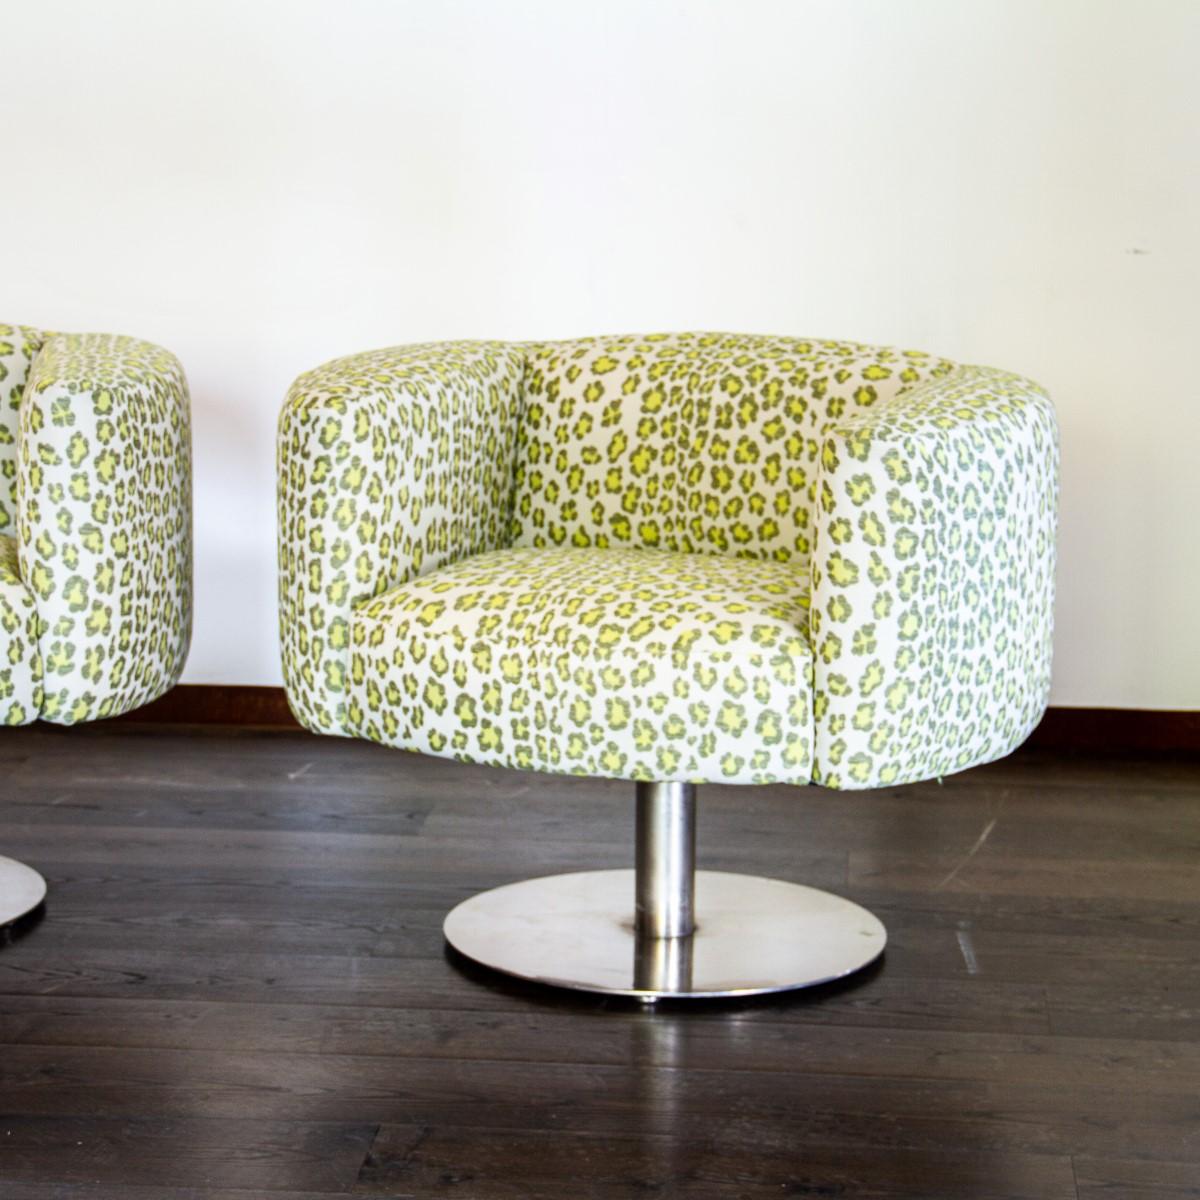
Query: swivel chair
(95, 536)
(673, 559)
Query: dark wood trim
(217, 704)
(1118, 730)
(1090, 730)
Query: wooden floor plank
(1165, 882)
(671, 1040)
(171, 1151)
(719, 1165)
(133, 1191)
(844, 1110)
(1136, 1179)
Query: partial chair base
(22, 889)
(753, 935)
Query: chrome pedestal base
(22, 889)
(752, 935)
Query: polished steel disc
(22, 889)
(752, 935)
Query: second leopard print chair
(673, 559)
(95, 535)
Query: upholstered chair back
(703, 443)
(18, 349)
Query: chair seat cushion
(20, 658)
(631, 664)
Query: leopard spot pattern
(910, 501)
(96, 464)
(618, 663)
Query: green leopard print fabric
(103, 541)
(703, 443)
(616, 663)
(18, 348)
(20, 658)
(933, 580)
(871, 530)
(390, 465)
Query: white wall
(265, 184)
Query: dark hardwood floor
(239, 987)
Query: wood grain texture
(1136, 1179)
(239, 987)
(729, 1160)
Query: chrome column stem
(666, 860)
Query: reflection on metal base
(753, 935)
(22, 889)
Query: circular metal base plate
(22, 889)
(753, 935)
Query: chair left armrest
(105, 521)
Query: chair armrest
(105, 523)
(933, 580)
(390, 464)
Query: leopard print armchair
(95, 525)
(673, 559)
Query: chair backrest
(18, 349)
(699, 442)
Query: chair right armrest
(933, 580)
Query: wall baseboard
(1118, 730)
(217, 704)
(1090, 730)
